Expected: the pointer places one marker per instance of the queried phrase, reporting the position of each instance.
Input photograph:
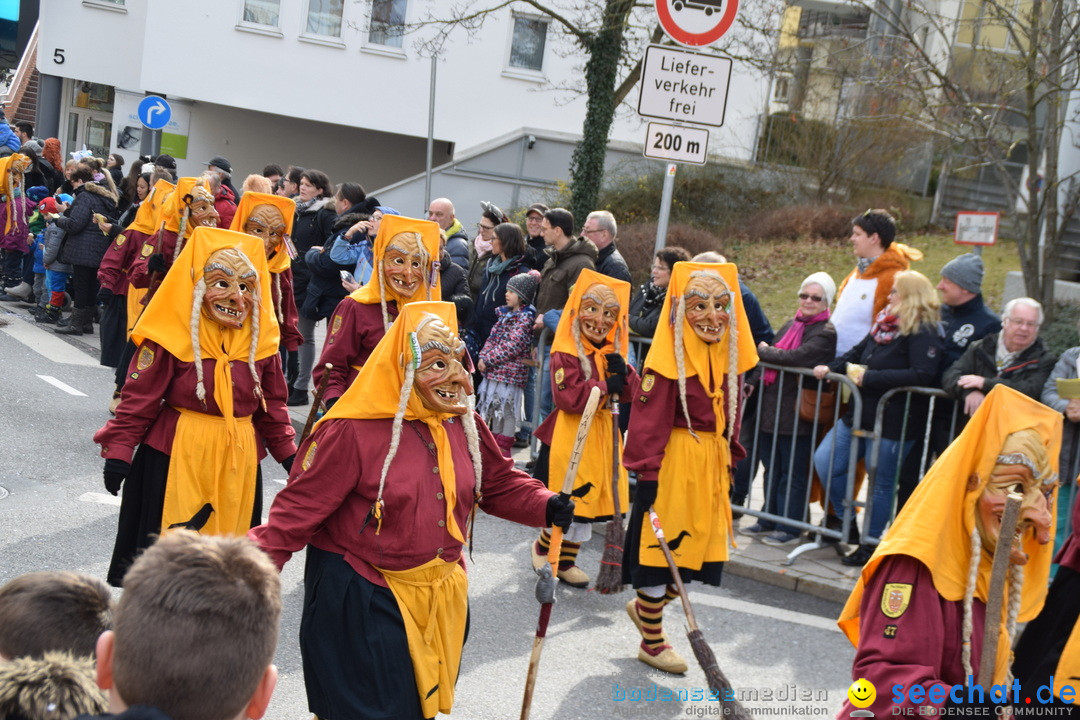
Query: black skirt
(639, 576)
(353, 644)
(1043, 640)
(141, 505)
(113, 330)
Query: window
(262, 12)
(781, 89)
(527, 45)
(387, 22)
(324, 17)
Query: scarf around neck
(793, 338)
(886, 327)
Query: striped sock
(672, 593)
(544, 543)
(650, 611)
(568, 555)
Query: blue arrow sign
(154, 112)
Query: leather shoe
(297, 398)
(574, 577)
(858, 556)
(663, 658)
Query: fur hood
(318, 205)
(101, 190)
(55, 687)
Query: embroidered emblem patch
(146, 359)
(309, 456)
(336, 326)
(120, 240)
(560, 375)
(647, 382)
(895, 598)
(147, 250)
(889, 632)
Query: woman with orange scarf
(204, 396)
(682, 445)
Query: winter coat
(492, 292)
(760, 327)
(1070, 436)
(610, 262)
(53, 237)
(508, 345)
(645, 314)
(56, 686)
(964, 324)
(86, 244)
(1026, 374)
(818, 347)
(311, 227)
(457, 244)
(908, 361)
(452, 278)
(561, 270)
(324, 288)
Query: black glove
(287, 463)
(616, 365)
(156, 263)
(330, 403)
(646, 493)
(560, 511)
(104, 294)
(115, 472)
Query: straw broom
(718, 683)
(609, 579)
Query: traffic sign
(154, 112)
(676, 143)
(976, 228)
(684, 86)
(696, 23)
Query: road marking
(63, 386)
(100, 498)
(47, 344)
(766, 611)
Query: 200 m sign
(677, 143)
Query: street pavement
(771, 625)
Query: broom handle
(659, 531)
(571, 471)
(615, 455)
(317, 401)
(992, 623)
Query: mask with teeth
(708, 306)
(404, 265)
(1021, 452)
(201, 210)
(268, 224)
(441, 381)
(598, 313)
(230, 288)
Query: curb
(789, 579)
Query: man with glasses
(1016, 357)
(534, 239)
(865, 291)
(600, 227)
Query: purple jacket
(508, 345)
(16, 238)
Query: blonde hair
(918, 301)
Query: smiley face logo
(862, 693)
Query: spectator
(354, 246)
(480, 249)
(600, 227)
(24, 129)
(325, 289)
(256, 183)
(115, 164)
(224, 200)
(759, 324)
(452, 276)
(645, 307)
(1016, 357)
(222, 167)
(40, 173)
(902, 349)
(195, 632)
(272, 172)
(9, 141)
(1069, 459)
(507, 259)
(137, 188)
(534, 238)
(864, 293)
(51, 154)
(808, 340)
(441, 212)
(291, 181)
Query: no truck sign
(696, 23)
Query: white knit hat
(825, 281)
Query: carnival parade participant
(682, 444)
(204, 394)
(918, 610)
(406, 268)
(383, 498)
(589, 350)
(270, 218)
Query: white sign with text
(676, 143)
(684, 86)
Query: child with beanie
(502, 361)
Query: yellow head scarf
(936, 523)
(174, 207)
(280, 261)
(391, 225)
(148, 216)
(376, 392)
(620, 331)
(8, 166)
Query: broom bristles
(609, 579)
(715, 677)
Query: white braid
(680, 361)
(732, 376)
(583, 359)
(276, 278)
(395, 431)
(472, 436)
(196, 321)
(382, 299)
(969, 595)
(180, 234)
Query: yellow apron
(433, 599)
(226, 483)
(692, 502)
(592, 486)
(134, 306)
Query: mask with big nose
(441, 381)
(230, 288)
(1022, 468)
(598, 312)
(708, 305)
(405, 264)
(268, 224)
(201, 210)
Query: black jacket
(908, 361)
(964, 324)
(310, 228)
(610, 262)
(85, 244)
(818, 347)
(645, 314)
(1026, 374)
(324, 288)
(452, 278)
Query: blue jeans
(547, 401)
(787, 476)
(881, 492)
(530, 405)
